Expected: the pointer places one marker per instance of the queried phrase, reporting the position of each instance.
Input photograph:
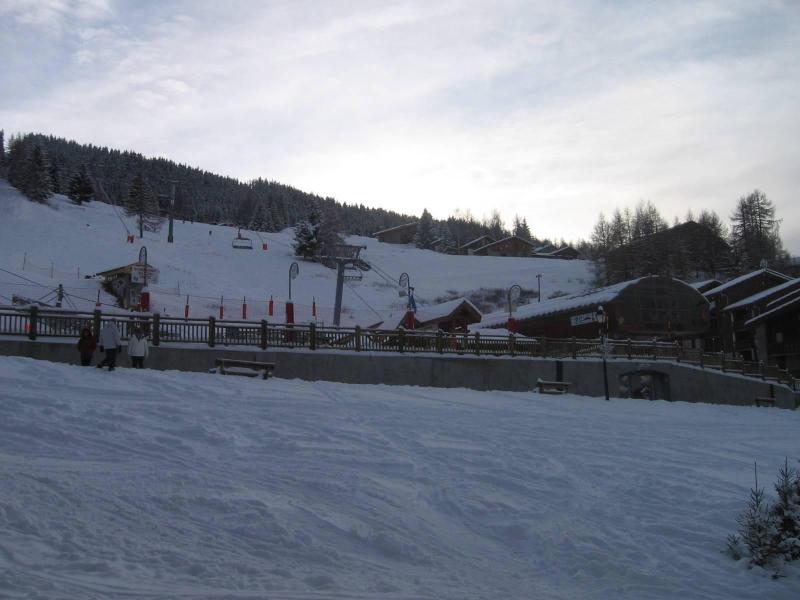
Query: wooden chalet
(737, 317)
(402, 234)
(126, 282)
(455, 315)
(478, 242)
(705, 285)
(645, 308)
(510, 246)
(721, 336)
(565, 253)
(776, 332)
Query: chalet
(452, 316)
(478, 242)
(776, 332)
(721, 333)
(510, 246)
(738, 317)
(565, 253)
(705, 285)
(402, 234)
(645, 308)
(127, 282)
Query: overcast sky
(554, 114)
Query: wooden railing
(38, 322)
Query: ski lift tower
(346, 257)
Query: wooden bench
(552, 387)
(246, 368)
(764, 401)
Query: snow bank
(164, 484)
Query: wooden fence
(36, 322)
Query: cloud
(552, 112)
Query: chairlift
(242, 243)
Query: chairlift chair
(242, 243)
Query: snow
(72, 239)
(165, 485)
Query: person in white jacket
(137, 348)
(110, 343)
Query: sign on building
(583, 319)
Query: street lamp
(602, 321)
(514, 293)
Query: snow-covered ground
(70, 241)
(148, 484)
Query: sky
(554, 111)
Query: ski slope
(62, 242)
(146, 484)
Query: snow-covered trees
(521, 228)
(769, 533)
(29, 170)
(755, 233)
(426, 233)
(142, 203)
(80, 186)
(313, 234)
(2, 148)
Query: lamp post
(411, 306)
(602, 320)
(144, 298)
(294, 271)
(539, 284)
(514, 293)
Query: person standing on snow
(86, 346)
(137, 348)
(110, 343)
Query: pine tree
(755, 233)
(306, 242)
(142, 203)
(80, 187)
(2, 148)
(521, 228)
(757, 528)
(426, 234)
(786, 511)
(36, 183)
(258, 222)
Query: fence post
(761, 369)
(212, 331)
(655, 349)
(263, 334)
(33, 322)
(574, 346)
(702, 359)
(440, 341)
(401, 339)
(544, 347)
(478, 343)
(511, 345)
(358, 338)
(156, 329)
(722, 360)
(678, 352)
(312, 336)
(97, 319)
(630, 349)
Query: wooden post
(761, 369)
(478, 342)
(440, 341)
(212, 333)
(574, 348)
(401, 339)
(630, 349)
(702, 359)
(358, 338)
(511, 348)
(678, 352)
(544, 347)
(33, 322)
(312, 336)
(722, 360)
(655, 349)
(97, 320)
(156, 329)
(263, 334)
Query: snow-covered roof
(476, 240)
(505, 239)
(701, 284)
(403, 226)
(590, 298)
(763, 294)
(780, 305)
(742, 278)
(433, 312)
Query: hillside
(165, 485)
(72, 241)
